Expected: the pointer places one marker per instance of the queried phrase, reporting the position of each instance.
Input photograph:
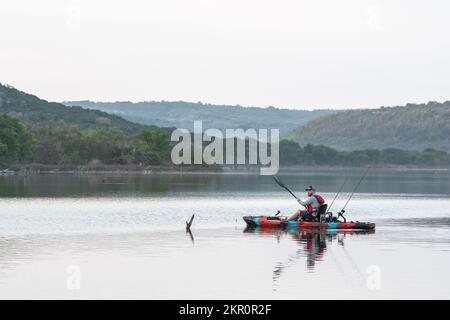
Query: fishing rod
(353, 192)
(335, 197)
(281, 184)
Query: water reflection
(312, 245)
(87, 185)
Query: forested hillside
(412, 127)
(68, 145)
(33, 111)
(182, 114)
(34, 131)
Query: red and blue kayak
(265, 221)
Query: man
(311, 204)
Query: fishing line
(335, 197)
(356, 187)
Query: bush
(16, 141)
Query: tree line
(291, 153)
(70, 145)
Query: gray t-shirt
(310, 200)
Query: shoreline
(36, 169)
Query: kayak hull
(263, 221)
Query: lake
(123, 236)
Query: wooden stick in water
(188, 224)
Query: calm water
(107, 236)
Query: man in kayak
(311, 204)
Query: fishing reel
(326, 217)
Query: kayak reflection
(312, 244)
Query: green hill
(182, 114)
(412, 127)
(33, 111)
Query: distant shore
(33, 169)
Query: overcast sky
(286, 53)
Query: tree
(3, 149)
(16, 142)
(290, 152)
(58, 145)
(111, 146)
(152, 146)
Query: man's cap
(310, 188)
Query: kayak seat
(321, 211)
(315, 216)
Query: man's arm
(306, 202)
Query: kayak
(267, 231)
(264, 221)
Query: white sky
(287, 53)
